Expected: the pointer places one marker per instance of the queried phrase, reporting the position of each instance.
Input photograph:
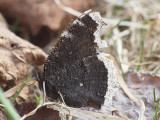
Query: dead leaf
(34, 14)
(143, 79)
(43, 113)
(15, 89)
(12, 91)
(13, 64)
(3, 22)
(140, 85)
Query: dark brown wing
(74, 69)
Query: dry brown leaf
(12, 91)
(3, 22)
(142, 79)
(23, 96)
(35, 14)
(65, 112)
(140, 85)
(13, 64)
(43, 113)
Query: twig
(44, 93)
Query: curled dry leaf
(13, 64)
(35, 14)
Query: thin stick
(44, 93)
(62, 98)
(32, 112)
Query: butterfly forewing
(73, 67)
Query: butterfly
(76, 68)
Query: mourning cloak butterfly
(76, 69)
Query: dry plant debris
(130, 23)
(13, 64)
(141, 85)
(3, 22)
(130, 29)
(35, 14)
(43, 113)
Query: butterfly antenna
(31, 62)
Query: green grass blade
(115, 47)
(154, 94)
(15, 27)
(156, 71)
(140, 57)
(22, 88)
(9, 109)
(155, 115)
(123, 75)
(38, 100)
(115, 12)
(111, 32)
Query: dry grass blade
(129, 94)
(67, 9)
(13, 90)
(107, 21)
